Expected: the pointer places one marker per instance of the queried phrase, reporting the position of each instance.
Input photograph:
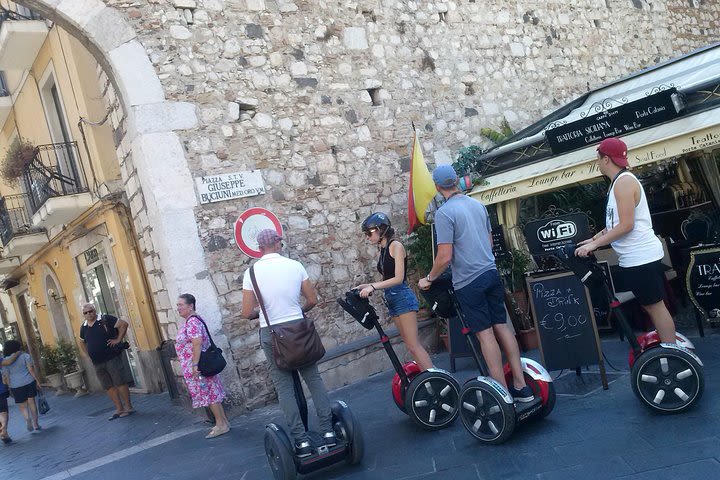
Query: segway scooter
(487, 409)
(280, 453)
(429, 398)
(666, 377)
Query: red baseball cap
(615, 149)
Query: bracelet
(373, 287)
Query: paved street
(591, 434)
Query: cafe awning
(661, 112)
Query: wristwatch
(428, 278)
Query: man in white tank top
(628, 229)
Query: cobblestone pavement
(591, 434)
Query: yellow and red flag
(422, 188)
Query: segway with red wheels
(666, 377)
(429, 398)
(487, 409)
(349, 447)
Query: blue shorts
(483, 301)
(400, 299)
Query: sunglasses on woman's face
(370, 232)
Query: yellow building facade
(67, 234)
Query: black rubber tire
(279, 452)
(548, 407)
(432, 400)
(348, 430)
(485, 414)
(658, 370)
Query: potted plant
(68, 359)
(52, 366)
(17, 158)
(513, 267)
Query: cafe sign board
(703, 281)
(587, 169)
(627, 118)
(228, 186)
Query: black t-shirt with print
(97, 336)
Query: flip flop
(216, 433)
(114, 416)
(131, 411)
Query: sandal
(216, 433)
(114, 416)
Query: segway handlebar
(359, 308)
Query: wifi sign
(556, 230)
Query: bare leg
(26, 415)
(32, 406)
(491, 353)
(662, 320)
(124, 393)
(221, 421)
(115, 397)
(407, 325)
(512, 352)
(4, 424)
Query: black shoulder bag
(295, 344)
(211, 360)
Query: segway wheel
(348, 430)
(485, 414)
(431, 400)
(279, 452)
(544, 390)
(667, 380)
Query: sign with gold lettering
(703, 281)
(548, 178)
(642, 113)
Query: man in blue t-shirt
(464, 238)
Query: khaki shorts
(114, 373)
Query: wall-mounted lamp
(54, 295)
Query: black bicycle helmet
(376, 220)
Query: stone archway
(156, 170)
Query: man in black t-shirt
(102, 339)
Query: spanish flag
(422, 187)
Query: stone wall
(320, 96)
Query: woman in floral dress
(192, 338)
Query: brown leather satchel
(295, 344)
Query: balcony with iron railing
(56, 185)
(22, 33)
(19, 237)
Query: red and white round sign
(251, 222)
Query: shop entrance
(100, 290)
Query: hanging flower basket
(20, 154)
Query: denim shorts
(483, 301)
(400, 299)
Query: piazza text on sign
(228, 186)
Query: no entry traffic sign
(251, 222)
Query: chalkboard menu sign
(703, 281)
(547, 235)
(566, 328)
(499, 248)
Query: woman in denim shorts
(401, 301)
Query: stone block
(164, 117)
(135, 74)
(255, 5)
(354, 38)
(109, 29)
(233, 112)
(80, 12)
(179, 32)
(263, 120)
(191, 4)
(298, 69)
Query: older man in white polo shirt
(281, 281)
